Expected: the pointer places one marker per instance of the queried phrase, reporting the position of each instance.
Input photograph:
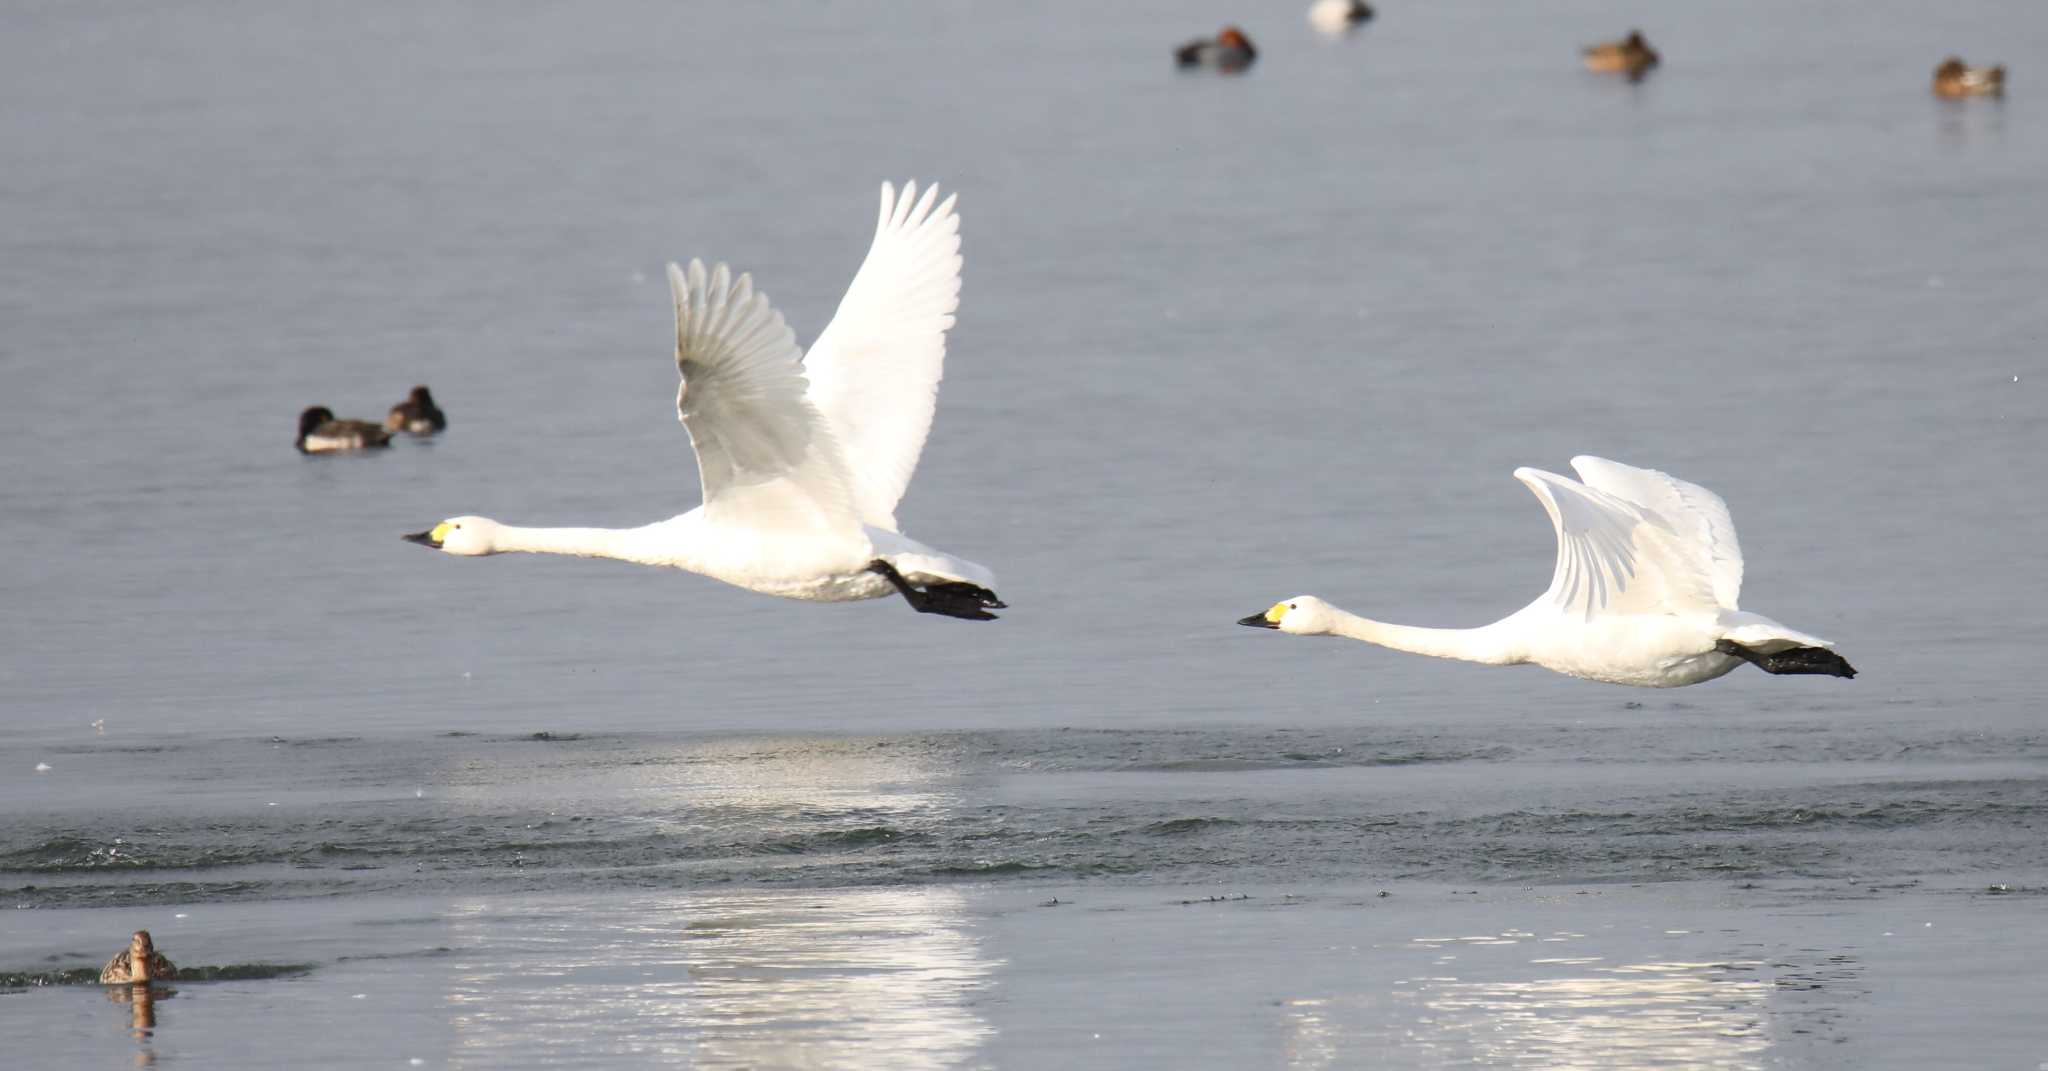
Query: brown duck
(1631, 55)
(1954, 78)
(139, 962)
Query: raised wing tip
(901, 209)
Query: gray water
(1222, 341)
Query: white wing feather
(766, 457)
(875, 370)
(1698, 518)
(1611, 557)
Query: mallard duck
(320, 433)
(417, 414)
(1337, 16)
(1229, 51)
(1954, 78)
(139, 962)
(1632, 55)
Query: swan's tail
(1773, 648)
(1760, 633)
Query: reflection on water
(1640, 1015)
(859, 978)
(1561, 1011)
(867, 978)
(141, 1001)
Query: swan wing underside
(1608, 554)
(765, 456)
(874, 372)
(1703, 531)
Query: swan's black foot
(953, 598)
(1797, 660)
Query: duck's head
(460, 535)
(313, 417)
(1232, 37)
(1952, 67)
(140, 944)
(1303, 615)
(421, 397)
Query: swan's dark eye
(1291, 606)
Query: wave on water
(232, 972)
(482, 813)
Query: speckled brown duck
(139, 962)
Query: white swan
(1644, 592)
(802, 458)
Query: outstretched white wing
(1696, 516)
(1611, 558)
(875, 370)
(766, 457)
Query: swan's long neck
(1490, 644)
(625, 544)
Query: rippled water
(264, 819)
(1222, 341)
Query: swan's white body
(803, 458)
(1648, 572)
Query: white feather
(1643, 591)
(875, 369)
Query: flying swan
(1644, 592)
(802, 458)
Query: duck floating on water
(1632, 56)
(1955, 79)
(1230, 51)
(1338, 16)
(320, 433)
(417, 414)
(139, 962)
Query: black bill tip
(1258, 620)
(425, 539)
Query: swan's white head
(460, 535)
(1303, 615)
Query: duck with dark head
(320, 433)
(416, 415)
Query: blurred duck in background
(1335, 17)
(1632, 56)
(320, 433)
(1954, 79)
(416, 415)
(1230, 51)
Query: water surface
(1222, 341)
